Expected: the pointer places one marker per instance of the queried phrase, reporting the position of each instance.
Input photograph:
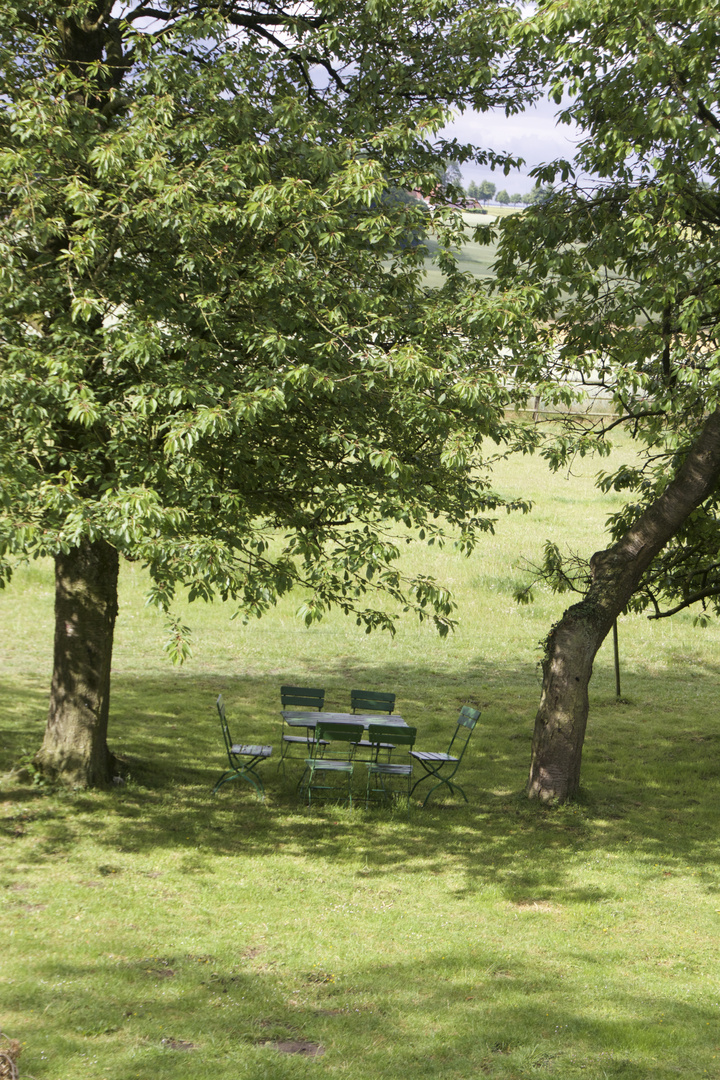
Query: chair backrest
(304, 697)
(224, 725)
(384, 733)
(466, 722)
(468, 717)
(371, 701)
(335, 731)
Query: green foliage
(218, 351)
(561, 571)
(623, 242)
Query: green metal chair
(443, 766)
(241, 769)
(372, 701)
(299, 697)
(319, 769)
(380, 772)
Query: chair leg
(325, 786)
(448, 783)
(252, 777)
(300, 790)
(430, 774)
(223, 780)
(246, 774)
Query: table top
(309, 719)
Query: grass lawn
(474, 258)
(157, 931)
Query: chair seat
(389, 770)
(365, 743)
(321, 765)
(424, 755)
(251, 751)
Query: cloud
(533, 135)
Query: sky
(533, 135)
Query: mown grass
(494, 939)
(473, 258)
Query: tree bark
(75, 749)
(573, 642)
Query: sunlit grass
(472, 258)
(492, 939)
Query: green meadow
(473, 258)
(156, 930)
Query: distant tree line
(451, 183)
(486, 191)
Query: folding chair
(299, 697)
(435, 763)
(372, 701)
(379, 772)
(241, 770)
(318, 769)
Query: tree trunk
(573, 642)
(74, 749)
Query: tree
(503, 198)
(218, 354)
(451, 180)
(487, 190)
(541, 193)
(627, 263)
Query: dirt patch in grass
(297, 1046)
(250, 954)
(534, 905)
(178, 1044)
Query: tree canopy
(626, 249)
(219, 356)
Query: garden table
(308, 719)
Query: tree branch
(705, 114)
(702, 594)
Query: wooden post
(617, 660)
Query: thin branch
(705, 114)
(703, 594)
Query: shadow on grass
(420, 1016)
(649, 790)
(651, 777)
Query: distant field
(474, 258)
(155, 930)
